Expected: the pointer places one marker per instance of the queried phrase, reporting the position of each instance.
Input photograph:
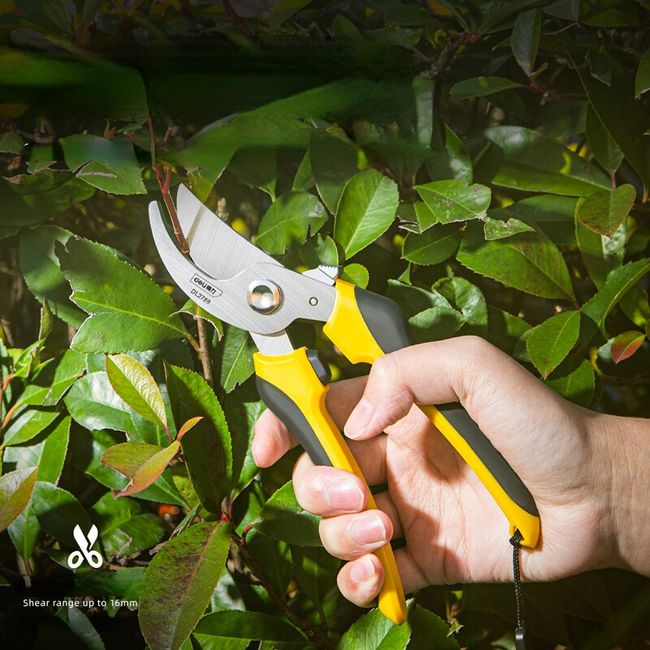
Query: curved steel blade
(214, 245)
(228, 299)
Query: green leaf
(125, 583)
(626, 344)
(574, 379)
(529, 262)
(109, 165)
(452, 200)
(242, 410)
(236, 358)
(500, 229)
(283, 518)
(207, 447)
(618, 283)
(235, 629)
(333, 163)
(129, 312)
(48, 452)
(15, 491)
(289, 220)
(94, 404)
(433, 246)
(315, 572)
(52, 383)
(526, 160)
(179, 582)
(449, 158)
(481, 86)
(356, 274)
(429, 630)
(58, 512)
(465, 297)
(195, 311)
(628, 132)
(11, 142)
(554, 215)
(642, 79)
(366, 210)
(140, 462)
(27, 425)
(435, 324)
(24, 532)
(257, 167)
(369, 631)
(133, 535)
(135, 385)
(525, 39)
(600, 254)
(42, 272)
(601, 142)
(82, 628)
(29, 199)
(550, 343)
(604, 211)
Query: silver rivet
(313, 301)
(264, 296)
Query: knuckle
(384, 369)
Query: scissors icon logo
(76, 558)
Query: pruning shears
(240, 284)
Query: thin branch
(163, 184)
(204, 349)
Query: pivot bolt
(264, 296)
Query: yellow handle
(351, 334)
(294, 376)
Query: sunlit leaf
(366, 210)
(135, 385)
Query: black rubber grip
(291, 416)
(386, 323)
(384, 319)
(459, 418)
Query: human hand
(454, 531)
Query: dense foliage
(484, 163)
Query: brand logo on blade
(205, 285)
(76, 558)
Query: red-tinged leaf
(626, 344)
(15, 491)
(189, 424)
(179, 582)
(142, 463)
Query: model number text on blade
(205, 285)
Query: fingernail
(344, 495)
(363, 569)
(368, 529)
(359, 419)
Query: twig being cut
(163, 184)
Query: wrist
(621, 449)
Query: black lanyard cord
(520, 630)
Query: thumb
(465, 369)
